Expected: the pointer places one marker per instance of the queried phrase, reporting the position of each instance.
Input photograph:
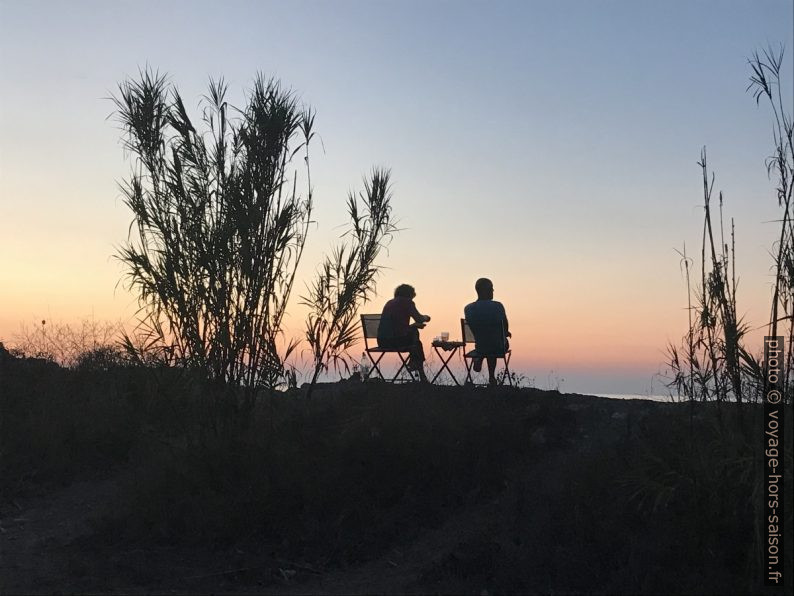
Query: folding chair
(468, 357)
(370, 325)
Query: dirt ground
(555, 521)
(47, 546)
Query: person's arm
(504, 317)
(419, 318)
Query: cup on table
(445, 336)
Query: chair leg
(404, 365)
(507, 369)
(375, 366)
(469, 362)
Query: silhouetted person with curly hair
(397, 331)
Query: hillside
(119, 479)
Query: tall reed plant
(765, 84)
(219, 224)
(346, 279)
(711, 363)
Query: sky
(549, 146)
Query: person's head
(484, 287)
(404, 291)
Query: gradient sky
(550, 146)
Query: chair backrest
(370, 324)
(495, 332)
(465, 332)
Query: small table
(448, 346)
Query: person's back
(396, 318)
(488, 322)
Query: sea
(662, 398)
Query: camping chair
(370, 325)
(468, 357)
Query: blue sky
(548, 145)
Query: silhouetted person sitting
(488, 323)
(397, 331)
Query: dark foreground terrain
(130, 480)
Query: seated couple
(485, 316)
